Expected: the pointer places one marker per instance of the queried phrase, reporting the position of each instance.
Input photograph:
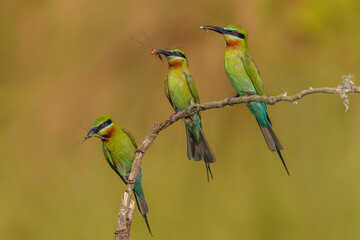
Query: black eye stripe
(240, 35)
(179, 54)
(105, 124)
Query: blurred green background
(64, 62)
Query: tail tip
(147, 224)
(283, 162)
(208, 172)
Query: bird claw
(172, 116)
(129, 181)
(138, 150)
(249, 93)
(229, 99)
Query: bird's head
(103, 128)
(175, 57)
(235, 35)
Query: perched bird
(181, 91)
(119, 148)
(245, 79)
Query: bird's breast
(179, 90)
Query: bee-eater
(245, 79)
(181, 91)
(119, 148)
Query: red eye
(177, 53)
(234, 32)
(103, 124)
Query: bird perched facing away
(181, 91)
(119, 148)
(245, 79)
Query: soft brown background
(64, 62)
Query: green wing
(109, 159)
(131, 137)
(192, 87)
(167, 93)
(111, 162)
(254, 74)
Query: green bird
(245, 79)
(119, 148)
(181, 91)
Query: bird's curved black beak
(214, 28)
(161, 51)
(92, 131)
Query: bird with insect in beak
(245, 79)
(181, 91)
(119, 148)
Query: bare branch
(126, 212)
